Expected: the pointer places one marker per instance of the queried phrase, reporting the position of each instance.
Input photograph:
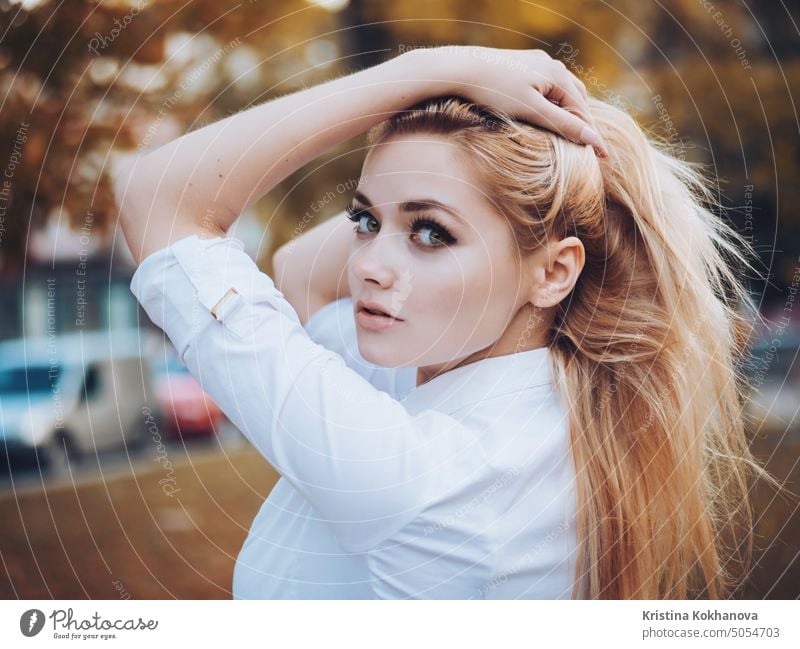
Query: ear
(554, 270)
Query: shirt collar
(483, 379)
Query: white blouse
(460, 488)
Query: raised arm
(310, 270)
(201, 182)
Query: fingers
(560, 120)
(579, 104)
(580, 85)
(572, 99)
(571, 117)
(576, 101)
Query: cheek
(441, 291)
(488, 303)
(468, 296)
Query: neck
(527, 330)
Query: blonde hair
(647, 349)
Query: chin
(377, 358)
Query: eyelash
(355, 214)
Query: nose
(372, 262)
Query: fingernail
(588, 136)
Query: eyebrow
(416, 205)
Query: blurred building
(79, 279)
(67, 287)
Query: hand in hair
(525, 84)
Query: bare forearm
(311, 270)
(216, 171)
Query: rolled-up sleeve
(364, 463)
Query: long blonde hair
(647, 349)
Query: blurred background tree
(82, 82)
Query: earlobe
(541, 287)
(544, 297)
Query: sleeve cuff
(180, 284)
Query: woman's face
(454, 283)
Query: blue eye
(438, 233)
(437, 237)
(359, 216)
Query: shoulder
(325, 316)
(334, 327)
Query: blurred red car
(186, 410)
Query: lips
(375, 308)
(375, 312)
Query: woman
(572, 426)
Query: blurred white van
(68, 396)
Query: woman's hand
(526, 84)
